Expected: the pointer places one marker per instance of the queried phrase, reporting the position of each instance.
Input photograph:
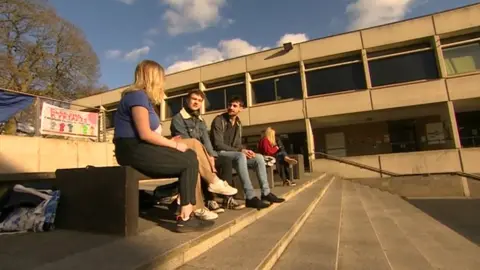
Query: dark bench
(96, 199)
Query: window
(174, 106)
(403, 68)
(462, 59)
(336, 79)
(217, 99)
(109, 119)
(284, 87)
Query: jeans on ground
(241, 164)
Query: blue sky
(181, 34)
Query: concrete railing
(426, 162)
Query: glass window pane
(462, 59)
(238, 91)
(109, 121)
(174, 105)
(285, 87)
(336, 79)
(404, 68)
(215, 100)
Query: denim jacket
(186, 126)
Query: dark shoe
(174, 208)
(289, 183)
(193, 224)
(256, 203)
(231, 203)
(272, 198)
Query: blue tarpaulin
(11, 103)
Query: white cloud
(149, 42)
(133, 55)
(367, 13)
(184, 16)
(128, 2)
(152, 31)
(294, 38)
(112, 54)
(206, 55)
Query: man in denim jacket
(188, 123)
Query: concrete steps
(358, 227)
(259, 245)
(326, 223)
(154, 248)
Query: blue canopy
(11, 103)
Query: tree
(44, 54)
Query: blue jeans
(241, 165)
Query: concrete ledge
(417, 186)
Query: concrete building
(403, 97)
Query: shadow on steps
(460, 215)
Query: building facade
(406, 87)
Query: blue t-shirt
(124, 125)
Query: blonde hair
(149, 77)
(270, 135)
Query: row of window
(420, 65)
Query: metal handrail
(356, 164)
(384, 172)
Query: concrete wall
(27, 154)
(406, 163)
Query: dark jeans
(224, 168)
(283, 168)
(161, 162)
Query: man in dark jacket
(188, 123)
(226, 133)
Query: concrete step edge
(186, 252)
(276, 252)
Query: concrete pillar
(202, 88)
(453, 125)
(310, 142)
(366, 69)
(248, 89)
(442, 70)
(163, 110)
(303, 78)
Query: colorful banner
(65, 122)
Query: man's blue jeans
(241, 165)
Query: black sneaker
(193, 224)
(174, 208)
(256, 203)
(272, 198)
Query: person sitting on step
(139, 146)
(188, 123)
(268, 146)
(226, 133)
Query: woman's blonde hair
(149, 77)
(270, 135)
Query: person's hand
(176, 138)
(212, 160)
(248, 153)
(181, 147)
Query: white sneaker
(214, 207)
(222, 187)
(205, 214)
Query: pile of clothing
(25, 209)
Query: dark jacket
(219, 125)
(186, 126)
